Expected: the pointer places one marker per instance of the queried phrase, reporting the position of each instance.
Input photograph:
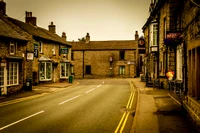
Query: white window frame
(179, 60)
(40, 47)
(153, 34)
(13, 74)
(43, 73)
(12, 48)
(65, 71)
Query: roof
(7, 31)
(39, 32)
(105, 45)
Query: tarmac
(145, 119)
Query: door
(3, 88)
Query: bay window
(45, 71)
(153, 34)
(64, 70)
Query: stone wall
(100, 64)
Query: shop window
(88, 69)
(121, 70)
(13, 73)
(121, 55)
(64, 70)
(45, 71)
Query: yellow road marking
(126, 114)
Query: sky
(102, 19)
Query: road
(93, 106)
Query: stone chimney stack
(87, 38)
(52, 28)
(30, 19)
(2, 8)
(136, 35)
(64, 36)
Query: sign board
(30, 56)
(63, 50)
(35, 50)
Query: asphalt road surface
(93, 106)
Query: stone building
(32, 53)
(176, 33)
(13, 64)
(101, 59)
(52, 53)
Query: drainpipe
(83, 63)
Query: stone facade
(97, 54)
(179, 50)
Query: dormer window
(12, 48)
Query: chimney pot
(30, 19)
(87, 40)
(64, 36)
(136, 35)
(52, 28)
(2, 8)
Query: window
(72, 55)
(153, 34)
(88, 69)
(40, 47)
(12, 48)
(1, 76)
(13, 73)
(121, 55)
(45, 71)
(121, 70)
(179, 64)
(64, 70)
(164, 28)
(54, 49)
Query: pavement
(160, 110)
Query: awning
(64, 60)
(44, 58)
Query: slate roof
(38, 32)
(105, 45)
(7, 31)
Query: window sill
(45, 79)
(13, 85)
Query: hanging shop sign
(35, 50)
(63, 50)
(141, 46)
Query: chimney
(64, 36)
(52, 28)
(2, 7)
(30, 19)
(136, 35)
(87, 39)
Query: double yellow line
(124, 118)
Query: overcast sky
(103, 19)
